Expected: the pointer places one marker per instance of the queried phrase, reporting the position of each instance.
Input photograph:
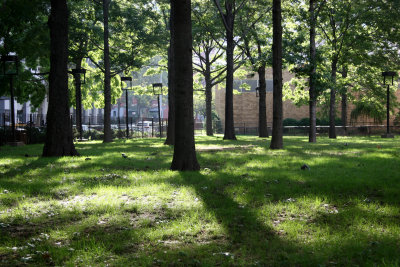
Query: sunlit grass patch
(248, 205)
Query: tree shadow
(252, 239)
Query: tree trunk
(59, 139)
(262, 105)
(344, 104)
(170, 140)
(207, 78)
(277, 123)
(332, 104)
(229, 133)
(312, 137)
(209, 128)
(184, 150)
(78, 97)
(107, 76)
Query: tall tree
(166, 16)
(312, 135)
(184, 158)
(59, 139)
(255, 34)
(208, 52)
(277, 122)
(81, 23)
(23, 31)
(107, 75)
(134, 37)
(228, 19)
(339, 21)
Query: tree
(166, 16)
(312, 135)
(338, 23)
(134, 41)
(107, 75)
(208, 52)
(228, 19)
(59, 139)
(81, 23)
(184, 158)
(30, 43)
(277, 123)
(256, 45)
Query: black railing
(31, 128)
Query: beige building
(245, 104)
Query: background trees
(256, 34)
(208, 53)
(228, 16)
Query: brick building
(245, 104)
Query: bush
(290, 122)
(304, 122)
(36, 135)
(93, 135)
(324, 122)
(75, 133)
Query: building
(245, 104)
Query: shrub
(290, 122)
(93, 135)
(36, 135)
(304, 122)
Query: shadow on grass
(249, 237)
(252, 239)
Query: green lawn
(247, 206)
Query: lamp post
(257, 91)
(388, 74)
(126, 79)
(10, 68)
(157, 90)
(77, 76)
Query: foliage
(36, 135)
(23, 31)
(290, 122)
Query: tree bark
(59, 139)
(209, 127)
(332, 103)
(344, 103)
(207, 78)
(277, 123)
(229, 133)
(107, 75)
(184, 158)
(312, 137)
(78, 97)
(170, 140)
(262, 105)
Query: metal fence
(31, 128)
(351, 130)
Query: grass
(247, 206)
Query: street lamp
(388, 74)
(126, 79)
(257, 91)
(9, 64)
(77, 72)
(157, 90)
